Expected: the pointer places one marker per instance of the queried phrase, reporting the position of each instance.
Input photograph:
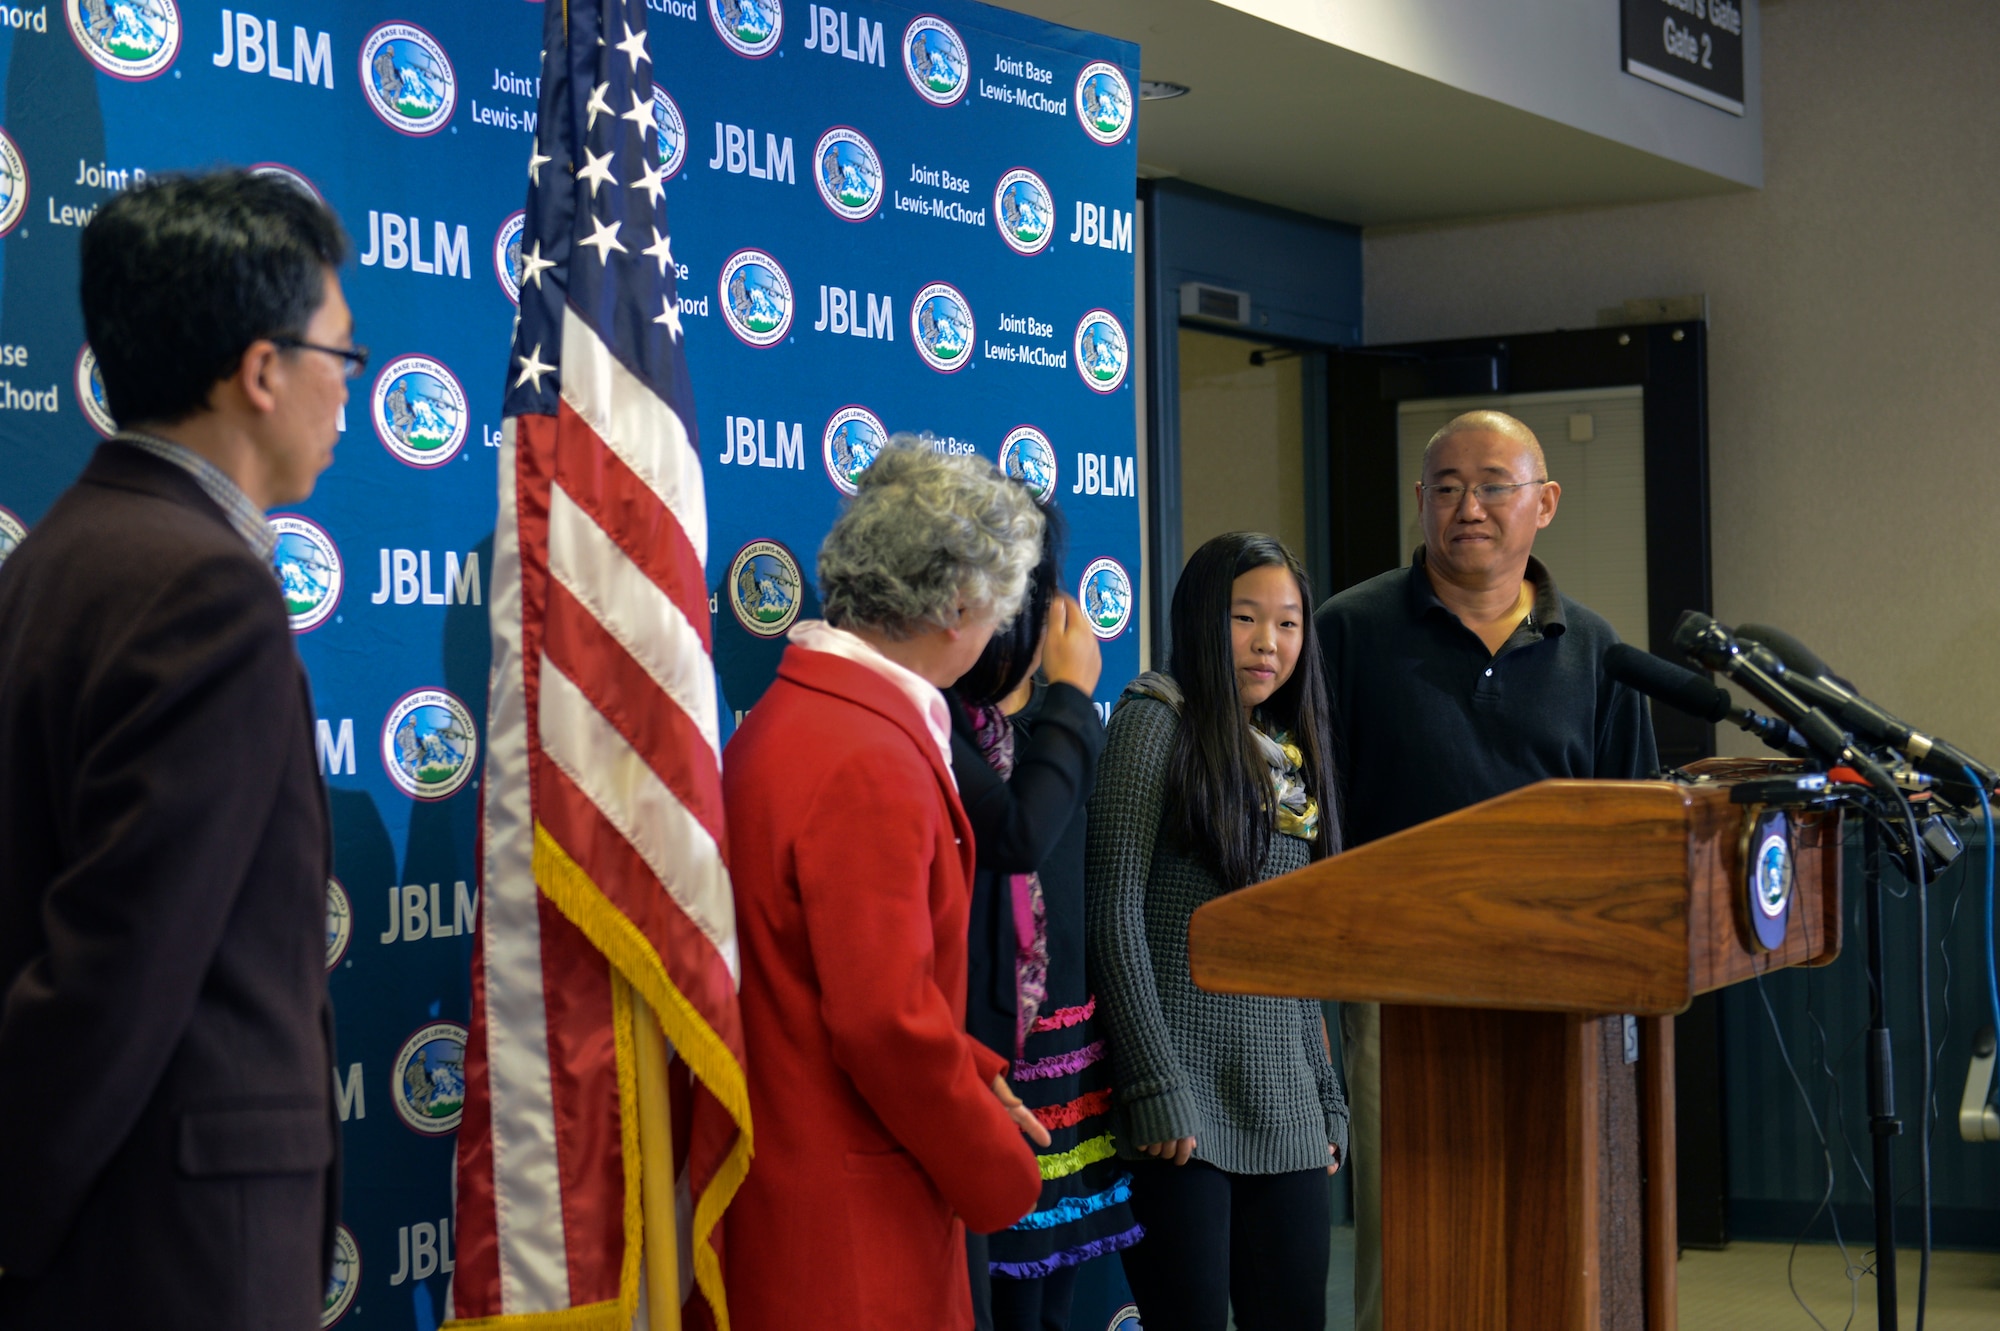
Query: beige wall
(1242, 442)
(1854, 354)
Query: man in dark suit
(168, 1141)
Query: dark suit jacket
(168, 1140)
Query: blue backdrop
(884, 219)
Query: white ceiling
(1288, 119)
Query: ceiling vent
(1220, 305)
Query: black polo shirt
(1429, 721)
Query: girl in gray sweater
(1217, 776)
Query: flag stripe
(531, 1239)
(647, 624)
(672, 842)
(629, 417)
(659, 732)
(634, 519)
(574, 822)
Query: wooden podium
(1527, 1169)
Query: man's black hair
(181, 274)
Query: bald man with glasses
(1462, 677)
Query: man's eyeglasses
(356, 357)
(1450, 494)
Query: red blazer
(876, 1124)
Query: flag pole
(656, 1174)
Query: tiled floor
(1744, 1287)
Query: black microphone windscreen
(1688, 629)
(1681, 689)
(1795, 654)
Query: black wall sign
(1694, 47)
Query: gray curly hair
(925, 534)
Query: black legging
(1262, 1238)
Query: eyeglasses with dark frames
(356, 357)
(1450, 494)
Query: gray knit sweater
(1248, 1078)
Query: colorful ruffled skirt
(1085, 1207)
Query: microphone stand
(1715, 647)
(1882, 1121)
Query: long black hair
(1218, 786)
(1004, 664)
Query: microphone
(1685, 691)
(1757, 670)
(1809, 677)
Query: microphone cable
(1825, 1207)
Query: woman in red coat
(882, 1128)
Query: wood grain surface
(1490, 1143)
(1580, 896)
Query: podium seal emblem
(1769, 873)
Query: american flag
(606, 898)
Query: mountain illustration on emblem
(939, 322)
(750, 289)
(1104, 599)
(1105, 102)
(128, 29)
(431, 746)
(1022, 211)
(408, 79)
(434, 1080)
(932, 57)
(304, 573)
(849, 175)
(766, 589)
(419, 413)
(748, 19)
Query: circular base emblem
(853, 436)
(13, 184)
(941, 327)
(756, 298)
(419, 410)
(1026, 211)
(126, 40)
(934, 57)
(12, 532)
(849, 173)
(429, 744)
(1026, 455)
(1102, 353)
(344, 1281)
(1106, 595)
(408, 79)
(309, 571)
(507, 255)
(295, 179)
(339, 922)
(89, 381)
(430, 1078)
(673, 143)
(748, 27)
(764, 586)
(1104, 102)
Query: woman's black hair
(1004, 664)
(1218, 786)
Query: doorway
(1243, 439)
